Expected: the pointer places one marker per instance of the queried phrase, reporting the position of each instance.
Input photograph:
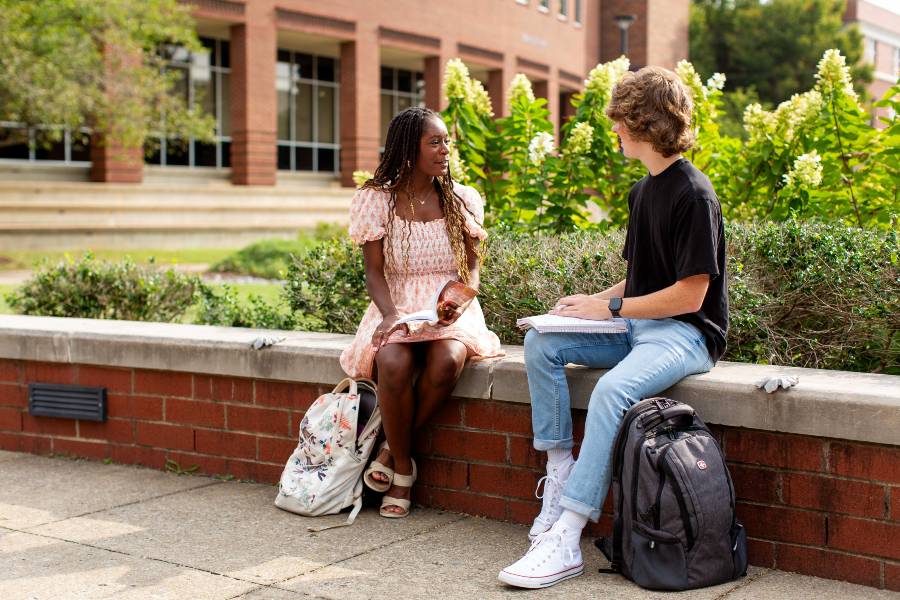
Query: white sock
(574, 523)
(557, 456)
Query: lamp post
(624, 22)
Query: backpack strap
(357, 506)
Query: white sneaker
(554, 482)
(549, 561)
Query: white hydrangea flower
(457, 171)
(716, 82)
(833, 74)
(456, 80)
(604, 76)
(758, 122)
(806, 172)
(794, 113)
(580, 138)
(360, 177)
(480, 99)
(520, 87)
(541, 145)
(685, 70)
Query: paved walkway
(79, 529)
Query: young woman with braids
(418, 228)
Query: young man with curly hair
(674, 299)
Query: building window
(308, 127)
(203, 80)
(577, 16)
(563, 9)
(400, 89)
(869, 50)
(524, 2)
(74, 147)
(544, 5)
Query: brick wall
(823, 507)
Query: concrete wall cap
(833, 404)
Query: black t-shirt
(675, 230)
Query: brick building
(879, 23)
(304, 86)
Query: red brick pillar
(549, 89)
(434, 76)
(111, 162)
(498, 84)
(360, 103)
(254, 104)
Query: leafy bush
(802, 294)
(269, 258)
(94, 289)
(815, 155)
(226, 309)
(327, 284)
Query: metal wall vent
(67, 401)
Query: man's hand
(582, 307)
(384, 330)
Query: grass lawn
(27, 259)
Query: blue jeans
(650, 357)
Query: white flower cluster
(833, 74)
(540, 146)
(604, 76)
(786, 120)
(360, 177)
(580, 138)
(685, 70)
(758, 122)
(716, 82)
(520, 87)
(806, 172)
(457, 172)
(796, 112)
(456, 80)
(479, 98)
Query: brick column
(498, 84)
(360, 103)
(549, 89)
(253, 99)
(111, 162)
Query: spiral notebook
(558, 324)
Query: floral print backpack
(324, 474)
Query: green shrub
(94, 289)
(327, 284)
(225, 308)
(801, 294)
(269, 258)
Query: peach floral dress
(412, 286)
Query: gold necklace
(412, 196)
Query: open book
(447, 304)
(558, 324)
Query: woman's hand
(583, 307)
(384, 330)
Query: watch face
(615, 304)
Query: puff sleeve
(474, 216)
(368, 215)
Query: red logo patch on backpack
(701, 464)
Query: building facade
(304, 86)
(879, 23)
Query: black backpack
(674, 526)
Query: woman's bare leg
(444, 362)
(395, 364)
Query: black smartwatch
(615, 305)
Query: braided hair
(395, 172)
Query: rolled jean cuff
(544, 445)
(581, 508)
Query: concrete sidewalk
(79, 529)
